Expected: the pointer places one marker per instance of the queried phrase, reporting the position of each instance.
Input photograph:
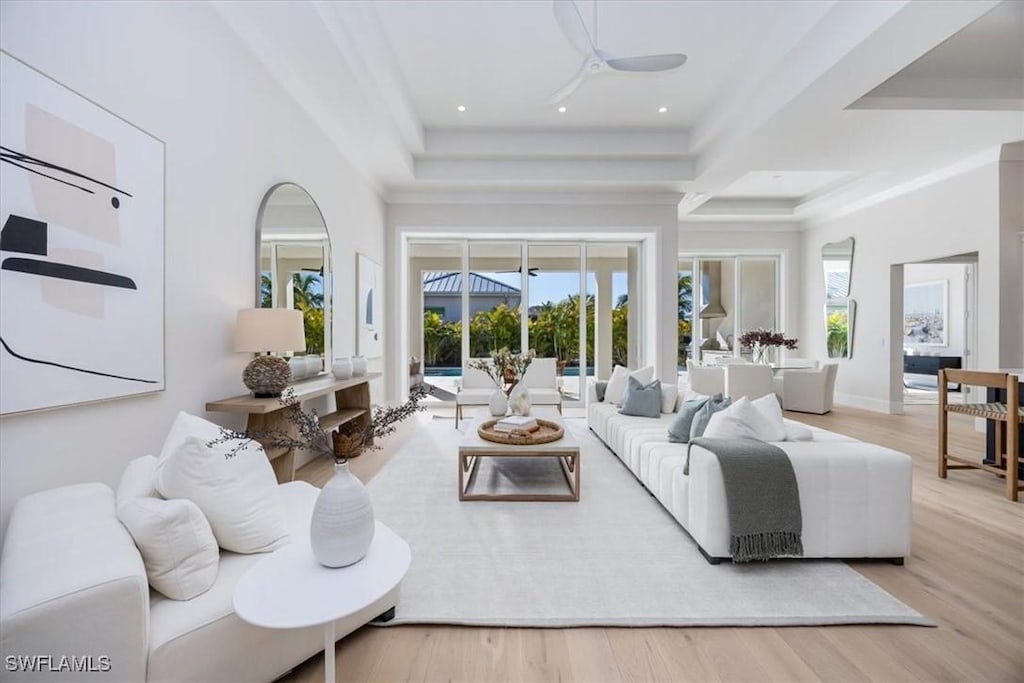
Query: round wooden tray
(548, 432)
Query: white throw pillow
(798, 432)
(238, 494)
(741, 420)
(617, 382)
(771, 411)
(669, 397)
(728, 425)
(138, 480)
(176, 544)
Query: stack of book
(516, 424)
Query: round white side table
(290, 589)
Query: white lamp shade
(269, 329)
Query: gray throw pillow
(679, 428)
(641, 400)
(600, 388)
(703, 416)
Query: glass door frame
(637, 298)
(697, 260)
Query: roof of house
(451, 283)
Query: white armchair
(541, 380)
(475, 389)
(752, 380)
(809, 391)
(708, 380)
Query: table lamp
(268, 330)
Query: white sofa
(73, 583)
(854, 496)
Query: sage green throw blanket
(761, 495)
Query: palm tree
(305, 294)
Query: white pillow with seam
(138, 480)
(729, 425)
(798, 432)
(742, 420)
(176, 543)
(620, 377)
(669, 397)
(769, 408)
(237, 494)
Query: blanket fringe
(765, 545)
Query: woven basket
(548, 432)
(347, 445)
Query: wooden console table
(351, 404)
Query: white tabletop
(290, 589)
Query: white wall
(957, 215)
(178, 72)
(953, 274)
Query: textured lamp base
(267, 376)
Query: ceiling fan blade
(571, 22)
(570, 87)
(647, 63)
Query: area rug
(615, 558)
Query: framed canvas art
(81, 248)
(369, 307)
(925, 310)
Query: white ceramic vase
(342, 368)
(519, 401)
(358, 366)
(498, 404)
(342, 526)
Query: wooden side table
(351, 404)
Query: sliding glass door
(722, 297)
(567, 300)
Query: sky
(554, 287)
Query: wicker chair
(1007, 416)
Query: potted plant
(760, 340)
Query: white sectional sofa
(73, 583)
(854, 496)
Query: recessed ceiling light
(461, 107)
(561, 110)
(662, 110)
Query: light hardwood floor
(965, 572)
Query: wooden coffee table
(566, 450)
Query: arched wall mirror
(840, 309)
(293, 269)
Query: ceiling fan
(532, 271)
(595, 60)
(319, 270)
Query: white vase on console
(358, 366)
(342, 368)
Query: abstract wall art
(81, 248)
(925, 309)
(369, 307)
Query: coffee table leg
(329, 652)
